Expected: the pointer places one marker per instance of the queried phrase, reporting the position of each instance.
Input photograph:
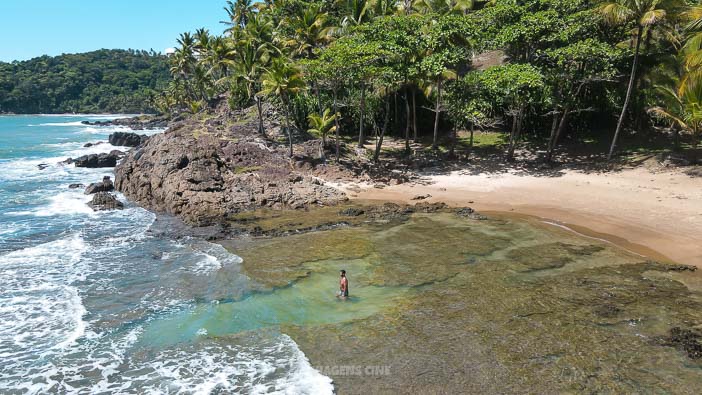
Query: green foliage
(321, 125)
(389, 65)
(513, 85)
(114, 81)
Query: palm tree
(239, 12)
(283, 80)
(220, 58)
(311, 28)
(443, 7)
(692, 49)
(356, 12)
(321, 125)
(384, 7)
(646, 15)
(251, 61)
(682, 106)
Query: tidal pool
(445, 304)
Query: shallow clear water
(78, 289)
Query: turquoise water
(89, 300)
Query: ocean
(81, 291)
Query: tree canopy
(104, 81)
(568, 68)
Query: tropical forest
(609, 75)
(102, 81)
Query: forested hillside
(104, 81)
(584, 70)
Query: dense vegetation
(104, 81)
(578, 68)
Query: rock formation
(201, 176)
(127, 139)
(105, 201)
(105, 186)
(97, 160)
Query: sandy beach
(656, 214)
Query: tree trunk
(261, 129)
(396, 118)
(554, 142)
(379, 144)
(454, 137)
(552, 136)
(336, 123)
(516, 129)
(437, 113)
(407, 124)
(361, 136)
(630, 88)
(414, 115)
(472, 132)
(287, 125)
(319, 98)
(676, 138)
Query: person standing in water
(343, 285)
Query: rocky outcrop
(202, 178)
(105, 186)
(467, 212)
(75, 186)
(145, 122)
(105, 201)
(97, 160)
(127, 139)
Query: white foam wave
(276, 366)
(66, 203)
(70, 123)
(213, 257)
(41, 310)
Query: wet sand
(656, 214)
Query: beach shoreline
(657, 214)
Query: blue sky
(30, 28)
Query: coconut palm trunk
(437, 113)
(407, 124)
(259, 108)
(336, 123)
(287, 124)
(629, 90)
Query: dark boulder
(467, 212)
(42, 166)
(127, 139)
(75, 186)
(464, 211)
(105, 201)
(425, 207)
(351, 212)
(105, 186)
(97, 160)
(88, 145)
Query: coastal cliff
(202, 169)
